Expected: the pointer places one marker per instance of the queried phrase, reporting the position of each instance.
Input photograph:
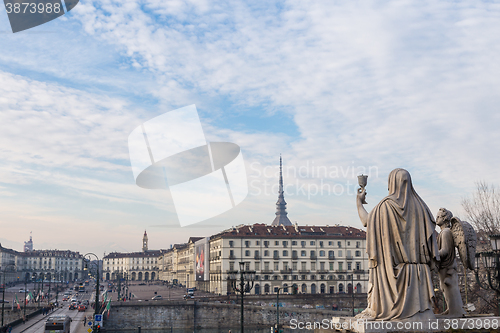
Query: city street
(37, 324)
(140, 291)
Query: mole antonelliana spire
(281, 214)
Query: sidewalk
(32, 321)
(79, 324)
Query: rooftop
(261, 230)
(149, 253)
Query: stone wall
(13, 315)
(342, 301)
(200, 315)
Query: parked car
(157, 297)
(3, 301)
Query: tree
(483, 212)
(483, 209)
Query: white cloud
(386, 84)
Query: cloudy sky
(337, 87)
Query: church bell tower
(145, 242)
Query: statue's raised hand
(362, 196)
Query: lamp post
(119, 283)
(125, 286)
(57, 288)
(245, 285)
(96, 305)
(491, 262)
(3, 290)
(25, 287)
(278, 309)
(50, 284)
(352, 291)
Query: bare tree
(483, 209)
(483, 212)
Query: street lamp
(278, 309)
(245, 285)
(3, 289)
(57, 274)
(126, 286)
(491, 262)
(96, 306)
(119, 282)
(50, 284)
(25, 291)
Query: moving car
(81, 308)
(72, 306)
(188, 296)
(157, 297)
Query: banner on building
(201, 259)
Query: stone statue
(401, 247)
(454, 234)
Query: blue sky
(342, 85)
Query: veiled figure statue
(401, 247)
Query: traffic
(69, 313)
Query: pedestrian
(10, 329)
(84, 320)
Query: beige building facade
(135, 266)
(50, 265)
(317, 259)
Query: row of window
(294, 243)
(50, 254)
(305, 277)
(303, 289)
(133, 261)
(303, 266)
(303, 253)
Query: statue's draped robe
(401, 244)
